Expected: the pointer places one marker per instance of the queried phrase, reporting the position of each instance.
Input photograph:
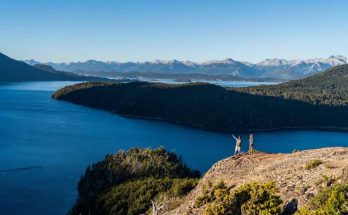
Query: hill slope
(15, 71)
(330, 88)
(296, 179)
(126, 182)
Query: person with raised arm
(238, 144)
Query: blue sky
(129, 30)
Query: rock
(303, 190)
(290, 207)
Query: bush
(134, 197)
(209, 191)
(313, 164)
(255, 198)
(332, 200)
(252, 198)
(183, 187)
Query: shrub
(255, 198)
(332, 200)
(183, 187)
(313, 164)
(252, 198)
(134, 197)
(208, 194)
(175, 196)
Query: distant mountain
(12, 71)
(295, 69)
(269, 68)
(224, 67)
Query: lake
(45, 145)
(220, 83)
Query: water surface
(45, 145)
(220, 82)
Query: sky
(196, 30)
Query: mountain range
(270, 68)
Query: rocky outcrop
(299, 175)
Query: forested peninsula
(315, 102)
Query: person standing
(238, 144)
(251, 144)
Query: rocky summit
(298, 176)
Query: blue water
(220, 83)
(45, 145)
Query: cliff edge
(298, 176)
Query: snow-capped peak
(225, 61)
(336, 60)
(168, 62)
(273, 62)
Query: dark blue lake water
(45, 145)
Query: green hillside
(127, 182)
(329, 88)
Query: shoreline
(299, 128)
